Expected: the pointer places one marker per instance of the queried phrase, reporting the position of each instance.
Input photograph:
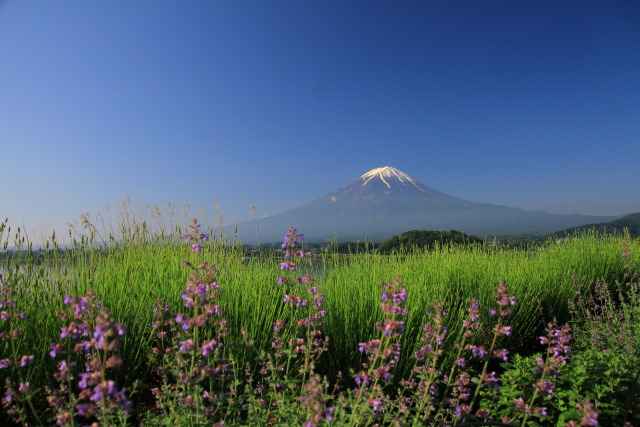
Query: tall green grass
(129, 272)
(541, 278)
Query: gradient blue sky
(530, 104)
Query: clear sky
(529, 104)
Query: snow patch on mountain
(389, 172)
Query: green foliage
(129, 276)
(425, 239)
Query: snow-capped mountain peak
(389, 172)
(382, 183)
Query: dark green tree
(427, 239)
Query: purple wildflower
(86, 410)
(291, 238)
(502, 330)
(362, 378)
(84, 377)
(279, 324)
(502, 354)
(26, 361)
(120, 328)
(186, 345)
(208, 347)
(477, 351)
(589, 413)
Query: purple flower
(545, 387)
(189, 303)
(291, 238)
(288, 266)
(86, 410)
(182, 318)
(85, 347)
(502, 330)
(589, 413)
(278, 324)
(208, 347)
(369, 346)
(502, 354)
(391, 327)
(186, 345)
(120, 328)
(83, 380)
(362, 378)
(542, 410)
(477, 351)
(98, 334)
(25, 361)
(383, 373)
(400, 297)
(375, 404)
(490, 379)
(292, 299)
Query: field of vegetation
(141, 325)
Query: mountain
(617, 226)
(385, 202)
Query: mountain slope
(631, 222)
(385, 202)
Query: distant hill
(386, 202)
(631, 221)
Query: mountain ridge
(385, 201)
(631, 222)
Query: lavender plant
(289, 371)
(18, 391)
(194, 367)
(606, 319)
(87, 354)
(382, 354)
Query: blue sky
(530, 104)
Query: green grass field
(128, 276)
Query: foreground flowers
(442, 369)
